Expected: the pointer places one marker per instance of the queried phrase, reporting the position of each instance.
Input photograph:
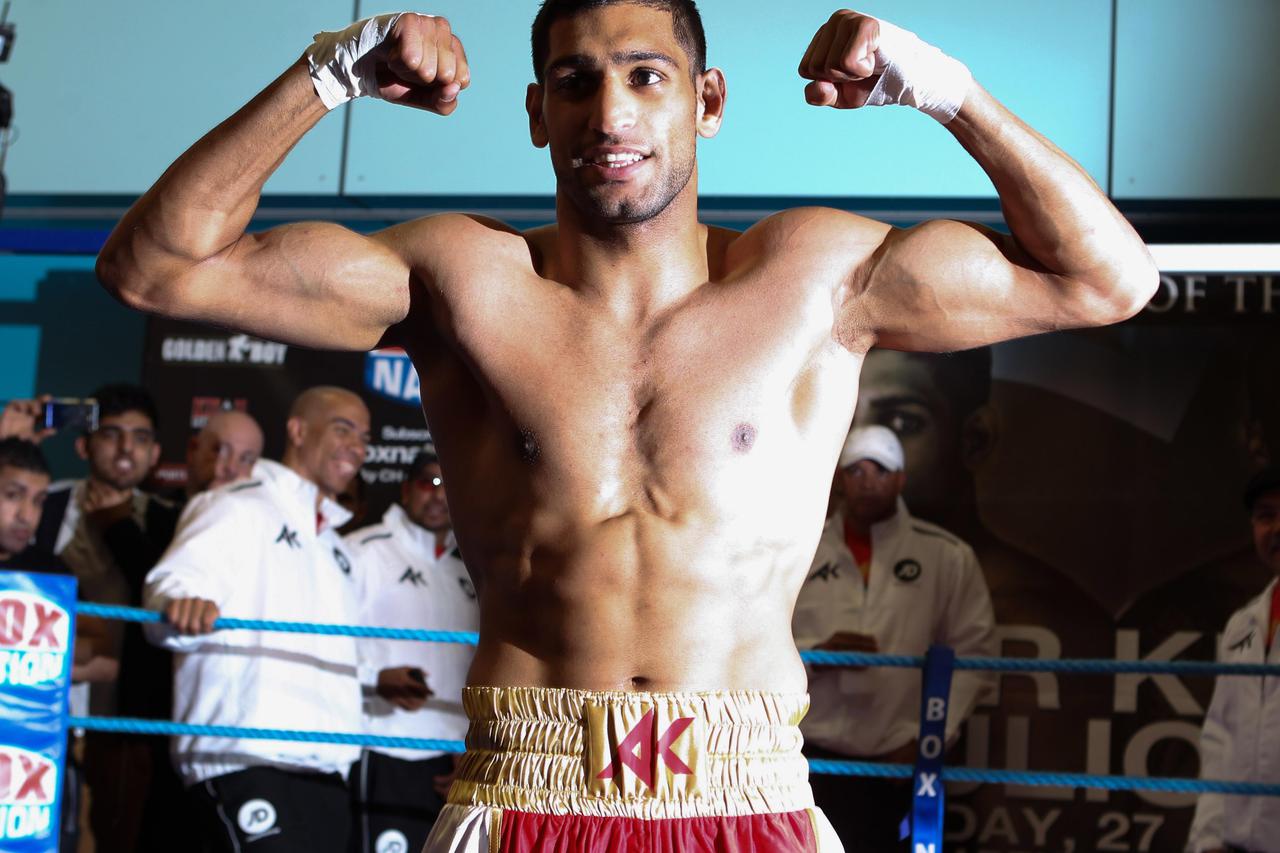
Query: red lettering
(639, 751)
(13, 618)
(6, 775)
(33, 785)
(46, 619)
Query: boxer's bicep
(310, 283)
(946, 285)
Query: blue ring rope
(813, 656)
(821, 766)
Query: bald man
(268, 547)
(223, 452)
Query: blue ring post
(927, 801)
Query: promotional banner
(37, 624)
(194, 371)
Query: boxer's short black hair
(23, 455)
(685, 21)
(122, 397)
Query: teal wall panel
(106, 95)
(1049, 61)
(1197, 89)
(61, 334)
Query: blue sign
(927, 800)
(389, 373)
(37, 628)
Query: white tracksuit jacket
(1240, 741)
(925, 587)
(253, 549)
(406, 586)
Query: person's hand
(841, 61)
(192, 616)
(422, 64)
(441, 783)
(99, 496)
(848, 641)
(19, 419)
(404, 686)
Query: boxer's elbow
(140, 274)
(1127, 288)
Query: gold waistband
(650, 755)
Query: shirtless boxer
(638, 415)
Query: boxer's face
(1266, 529)
(22, 495)
(424, 500)
(621, 112)
(122, 450)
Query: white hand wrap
(916, 74)
(342, 63)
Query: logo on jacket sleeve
(341, 559)
(907, 571)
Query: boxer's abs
(640, 603)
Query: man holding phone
(413, 577)
(110, 533)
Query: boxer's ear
(533, 106)
(711, 93)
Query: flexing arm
(182, 250)
(1071, 259)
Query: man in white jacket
(883, 581)
(413, 577)
(268, 548)
(1240, 741)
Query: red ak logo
(642, 749)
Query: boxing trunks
(559, 770)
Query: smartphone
(70, 413)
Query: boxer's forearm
(1053, 208)
(202, 204)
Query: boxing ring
(926, 774)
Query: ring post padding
(37, 629)
(927, 804)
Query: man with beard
(413, 577)
(638, 415)
(268, 548)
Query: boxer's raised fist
(841, 61)
(422, 64)
(405, 58)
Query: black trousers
(269, 810)
(396, 802)
(865, 812)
